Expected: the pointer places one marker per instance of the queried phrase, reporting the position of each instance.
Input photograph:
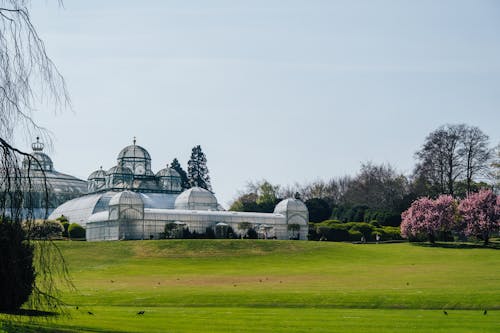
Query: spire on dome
(37, 146)
(134, 140)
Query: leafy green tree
(319, 210)
(198, 170)
(267, 196)
(246, 203)
(184, 178)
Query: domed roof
(134, 151)
(290, 205)
(168, 172)
(126, 198)
(98, 174)
(196, 198)
(44, 160)
(119, 170)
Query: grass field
(262, 286)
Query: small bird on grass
(76, 307)
(485, 312)
(112, 281)
(141, 312)
(445, 313)
(90, 313)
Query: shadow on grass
(16, 327)
(458, 245)
(30, 313)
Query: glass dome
(290, 206)
(119, 177)
(134, 151)
(45, 161)
(136, 158)
(98, 174)
(196, 198)
(169, 180)
(97, 180)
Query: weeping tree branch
(29, 80)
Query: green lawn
(249, 286)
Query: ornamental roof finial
(37, 146)
(134, 140)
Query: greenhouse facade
(129, 201)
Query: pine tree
(197, 169)
(184, 178)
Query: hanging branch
(28, 79)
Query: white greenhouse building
(129, 201)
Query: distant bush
(76, 231)
(65, 226)
(336, 231)
(252, 234)
(209, 233)
(45, 230)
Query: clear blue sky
(283, 90)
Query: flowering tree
(481, 214)
(429, 217)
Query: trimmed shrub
(364, 228)
(355, 236)
(391, 233)
(335, 233)
(76, 231)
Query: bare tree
(453, 154)
(495, 169)
(377, 186)
(475, 153)
(28, 80)
(439, 158)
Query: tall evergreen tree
(197, 169)
(184, 178)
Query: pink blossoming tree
(427, 217)
(481, 214)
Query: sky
(288, 91)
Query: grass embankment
(247, 286)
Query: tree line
(455, 160)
